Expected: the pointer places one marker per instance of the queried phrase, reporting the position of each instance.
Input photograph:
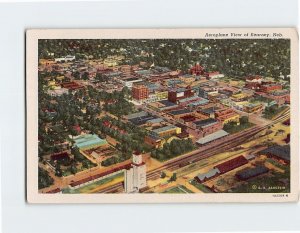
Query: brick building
(226, 115)
(180, 93)
(140, 92)
(270, 87)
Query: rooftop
(282, 152)
(251, 172)
(209, 110)
(212, 137)
(135, 115)
(86, 140)
(206, 122)
(179, 112)
(232, 164)
(165, 128)
(211, 173)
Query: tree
(173, 177)
(163, 175)
(244, 120)
(73, 169)
(58, 171)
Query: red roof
(231, 164)
(90, 178)
(106, 123)
(77, 128)
(57, 190)
(188, 118)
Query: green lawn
(201, 187)
(178, 189)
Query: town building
(251, 172)
(135, 176)
(72, 85)
(212, 137)
(231, 164)
(280, 153)
(89, 141)
(205, 92)
(67, 58)
(207, 126)
(154, 140)
(253, 107)
(187, 78)
(254, 79)
(128, 82)
(180, 93)
(201, 178)
(140, 92)
(167, 131)
(280, 96)
(215, 75)
(226, 115)
(197, 69)
(58, 92)
(179, 113)
(239, 97)
(209, 112)
(270, 87)
(163, 105)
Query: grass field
(201, 187)
(178, 189)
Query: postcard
(162, 115)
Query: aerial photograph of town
(168, 116)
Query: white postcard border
(32, 37)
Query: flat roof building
(88, 141)
(212, 137)
(167, 131)
(140, 92)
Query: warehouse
(251, 172)
(231, 164)
(280, 153)
(208, 175)
(212, 137)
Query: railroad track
(204, 152)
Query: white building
(135, 177)
(130, 81)
(65, 59)
(58, 92)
